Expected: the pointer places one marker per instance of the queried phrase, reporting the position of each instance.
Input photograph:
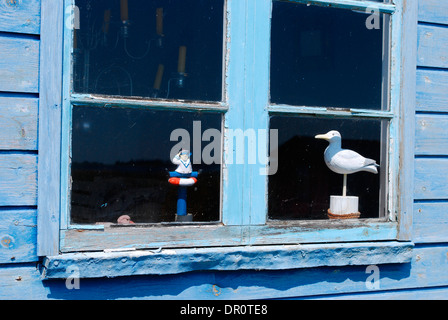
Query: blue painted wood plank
(323, 231)
(431, 178)
(432, 90)
(173, 261)
(20, 16)
(18, 180)
(431, 222)
(19, 65)
(427, 269)
(309, 282)
(209, 236)
(50, 114)
(153, 237)
(435, 11)
(403, 294)
(432, 46)
(431, 134)
(22, 281)
(18, 236)
(18, 123)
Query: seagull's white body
(344, 161)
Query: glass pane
(121, 162)
(303, 184)
(327, 57)
(170, 49)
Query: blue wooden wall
(19, 97)
(425, 277)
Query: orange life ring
(183, 181)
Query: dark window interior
(302, 186)
(325, 57)
(120, 164)
(170, 49)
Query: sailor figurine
(184, 177)
(184, 167)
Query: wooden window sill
(110, 264)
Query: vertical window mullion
(245, 183)
(66, 117)
(232, 185)
(257, 100)
(395, 108)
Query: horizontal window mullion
(333, 112)
(104, 101)
(351, 4)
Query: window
(120, 159)
(327, 59)
(121, 156)
(150, 49)
(228, 75)
(301, 156)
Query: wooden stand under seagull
(344, 161)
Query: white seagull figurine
(344, 161)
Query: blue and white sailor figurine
(184, 169)
(182, 160)
(184, 177)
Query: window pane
(120, 164)
(157, 48)
(303, 184)
(326, 57)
